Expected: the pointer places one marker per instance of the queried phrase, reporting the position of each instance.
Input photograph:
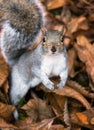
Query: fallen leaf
(66, 14)
(57, 127)
(38, 109)
(80, 89)
(6, 90)
(92, 121)
(86, 54)
(7, 126)
(53, 4)
(57, 103)
(24, 122)
(6, 111)
(3, 97)
(69, 92)
(71, 62)
(83, 118)
(84, 42)
(4, 71)
(28, 125)
(78, 23)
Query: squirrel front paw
(60, 85)
(50, 86)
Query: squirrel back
(21, 22)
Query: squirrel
(34, 67)
(21, 25)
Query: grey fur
(21, 24)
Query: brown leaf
(6, 126)
(83, 42)
(24, 122)
(71, 61)
(3, 97)
(27, 124)
(78, 23)
(53, 4)
(37, 109)
(83, 118)
(6, 90)
(92, 121)
(6, 111)
(75, 127)
(69, 92)
(80, 89)
(57, 103)
(66, 14)
(57, 127)
(86, 54)
(91, 18)
(88, 115)
(52, 22)
(4, 71)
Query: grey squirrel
(34, 67)
(29, 68)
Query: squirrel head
(52, 41)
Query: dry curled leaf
(78, 23)
(69, 92)
(86, 54)
(80, 89)
(27, 125)
(6, 111)
(53, 4)
(83, 42)
(53, 22)
(57, 127)
(3, 97)
(6, 90)
(7, 126)
(71, 61)
(24, 122)
(57, 103)
(37, 109)
(83, 118)
(4, 71)
(66, 14)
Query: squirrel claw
(50, 86)
(60, 85)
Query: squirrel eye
(44, 40)
(62, 39)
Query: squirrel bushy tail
(21, 22)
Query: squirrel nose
(53, 49)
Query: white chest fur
(53, 65)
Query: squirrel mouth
(53, 53)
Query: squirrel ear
(44, 30)
(63, 30)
